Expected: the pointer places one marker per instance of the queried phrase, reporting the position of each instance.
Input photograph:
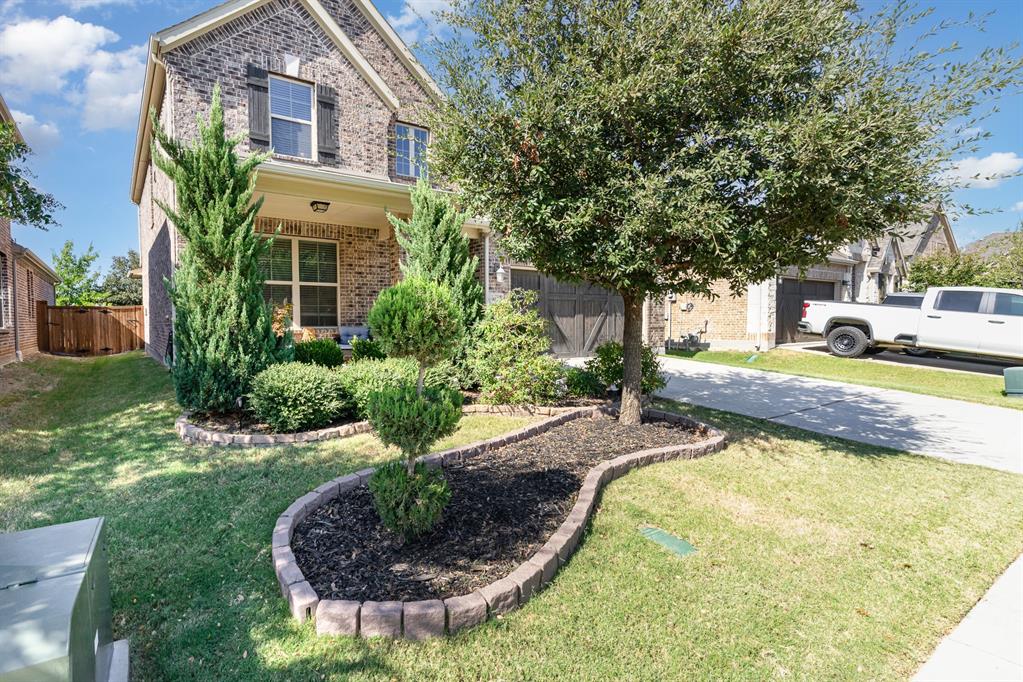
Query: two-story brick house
(24, 279)
(333, 92)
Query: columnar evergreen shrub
(296, 396)
(608, 365)
(223, 334)
(511, 354)
(324, 352)
(415, 319)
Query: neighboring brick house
(766, 314)
(334, 92)
(24, 280)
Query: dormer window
(410, 150)
(291, 117)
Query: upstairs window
(291, 117)
(410, 150)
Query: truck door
(1003, 325)
(954, 322)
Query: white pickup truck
(974, 320)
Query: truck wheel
(917, 352)
(847, 342)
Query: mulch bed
(240, 421)
(505, 504)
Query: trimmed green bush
(361, 379)
(413, 422)
(323, 352)
(582, 383)
(409, 505)
(511, 357)
(418, 319)
(366, 349)
(295, 396)
(608, 365)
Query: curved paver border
(194, 434)
(417, 620)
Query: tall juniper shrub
(223, 334)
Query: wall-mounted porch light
(319, 206)
(500, 273)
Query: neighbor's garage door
(791, 295)
(580, 316)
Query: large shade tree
(660, 145)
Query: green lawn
(975, 388)
(817, 558)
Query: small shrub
(295, 396)
(366, 349)
(511, 359)
(413, 422)
(582, 383)
(363, 378)
(323, 352)
(416, 319)
(608, 365)
(409, 505)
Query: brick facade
(22, 283)
(6, 293)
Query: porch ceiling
(294, 207)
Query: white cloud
(985, 172)
(37, 55)
(113, 89)
(45, 55)
(418, 19)
(970, 132)
(78, 5)
(1018, 206)
(40, 136)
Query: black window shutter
(259, 107)
(326, 123)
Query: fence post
(42, 328)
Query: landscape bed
(520, 506)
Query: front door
(579, 317)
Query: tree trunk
(632, 342)
(420, 381)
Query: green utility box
(1013, 380)
(55, 606)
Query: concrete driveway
(940, 427)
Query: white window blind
(303, 273)
(291, 118)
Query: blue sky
(72, 71)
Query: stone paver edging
(194, 434)
(417, 620)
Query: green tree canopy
(223, 334)
(79, 283)
(20, 201)
(947, 270)
(659, 145)
(119, 287)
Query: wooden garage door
(791, 294)
(580, 317)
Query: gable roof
(5, 115)
(190, 29)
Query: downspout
(14, 307)
(486, 268)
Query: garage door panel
(791, 295)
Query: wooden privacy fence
(89, 330)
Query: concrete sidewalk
(951, 429)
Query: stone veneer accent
(197, 435)
(418, 620)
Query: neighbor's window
(291, 117)
(1009, 304)
(313, 293)
(410, 150)
(960, 301)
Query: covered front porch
(336, 250)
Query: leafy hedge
(323, 352)
(361, 379)
(295, 396)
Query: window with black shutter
(259, 107)
(326, 123)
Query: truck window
(907, 301)
(1009, 304)
(959, 301)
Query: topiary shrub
(363, 378)
(608, 365)
(409, 505)
(295, 396)
(324, 352)
(511, 357)
(366, 349)
(415, 319)
(582, 383)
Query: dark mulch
(505, 504)
(240, 421)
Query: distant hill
(989, 246)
